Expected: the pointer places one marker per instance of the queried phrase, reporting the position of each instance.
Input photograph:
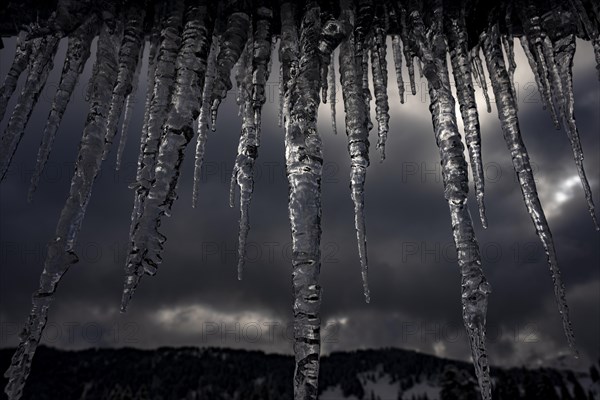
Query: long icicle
(243, 171)
(351, 73)
(380, 81)
(128, 60)
(204, 119)
(512, 135)
(461, 68)
(331, 83)
(232, 44)
(564, 51)
(158, 101)
(152, 55)
(60, 255)
(304, 167)
(397, 53)
(129, 105)
(78, 52)
(407, 47)
(475, 288)
(147, 242)
(39, 70)
(281, 95)
(19, 64)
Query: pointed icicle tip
(131, 284)
(240, 269)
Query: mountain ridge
(191, 373)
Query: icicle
(304, 163)
(419, 67)
(363, 52)
(19, 65)
(589, 28)
(459, 57)
(158, 101)
(129, 105)
(423, 51)
(232, 44)
(332, 34)
(480, 76)
(554, 77)
(362, 41)
(397, 53)
(203, 120)
(78, 52)
(281, 96)
(475, 288)
(564, 50)
(243, 176)
(40, 66)
(509, 48)
(351, 75)
(408, 50)
(539, 72)
(512, 135)
(534, 69)
(243, 81)
(244, 84)
(152, 54)
(288, 54)
(147, 242)
(60, 254)
(243, 171)
(332, 95)
(365, 13)
(128, 60)
(532, 43)
(380, 81)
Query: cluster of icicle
(193, 49)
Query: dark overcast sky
(195, 299)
